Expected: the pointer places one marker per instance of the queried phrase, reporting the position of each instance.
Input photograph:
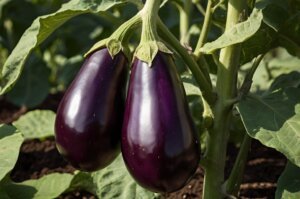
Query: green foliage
(274, 119)
(288, 186)
(112, 182)
(36, 124)
(237, 34)
(32, 87)
(47, 187)
(270, 114)
(40, 29)
(10, 143)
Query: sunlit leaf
(47, 187)
(10, 143)
(237, 34)
(112, 182)
(40, 29)
(274, 120)
(36, 124)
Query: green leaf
(112, 182)
(237, 34)
(36, 124)
(275, 16)
(47, 187)
(261, 42)
(274, 120)
(10, 143)
(286, 80)
(33, 85)
(288, 185)
(40, 30)
(289, 35)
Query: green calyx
(147, 51)
(150, 43)
(117, 42)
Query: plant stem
(125, 30)
(204, 85)
(236, 176)
(149, 17)
(184, 14)
(205, 29)
(245, 88)
(226, 90)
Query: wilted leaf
(40, 29)
(10, 143)
(288, 185)
(47, 187)
(36, 124)
(274, 120)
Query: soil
(38, 158)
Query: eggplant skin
(89, 118)
(159, 143)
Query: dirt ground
(38, 158)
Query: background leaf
(36, 124)
(10, 143)
(47, 187)
(237, 34)
(32, 87)
(288, 185)
(274, 120)
(112, 182)
(40, 29)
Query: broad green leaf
(36, 124)
(288, 185)
(33, 85)
(261, 42)
(10, 143)
(274, 120)
(40, 30)
(275, 16)
(286, 80)
(112, 182)
(237, 34)
(47, 187)
(289, 35)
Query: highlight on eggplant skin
(159, 143)
(89, 118)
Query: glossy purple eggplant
(89, 118)
(159, 143)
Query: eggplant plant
(202, 74)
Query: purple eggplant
(89, 118)
(159, 143)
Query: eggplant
(159, 143)
(89, 118)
